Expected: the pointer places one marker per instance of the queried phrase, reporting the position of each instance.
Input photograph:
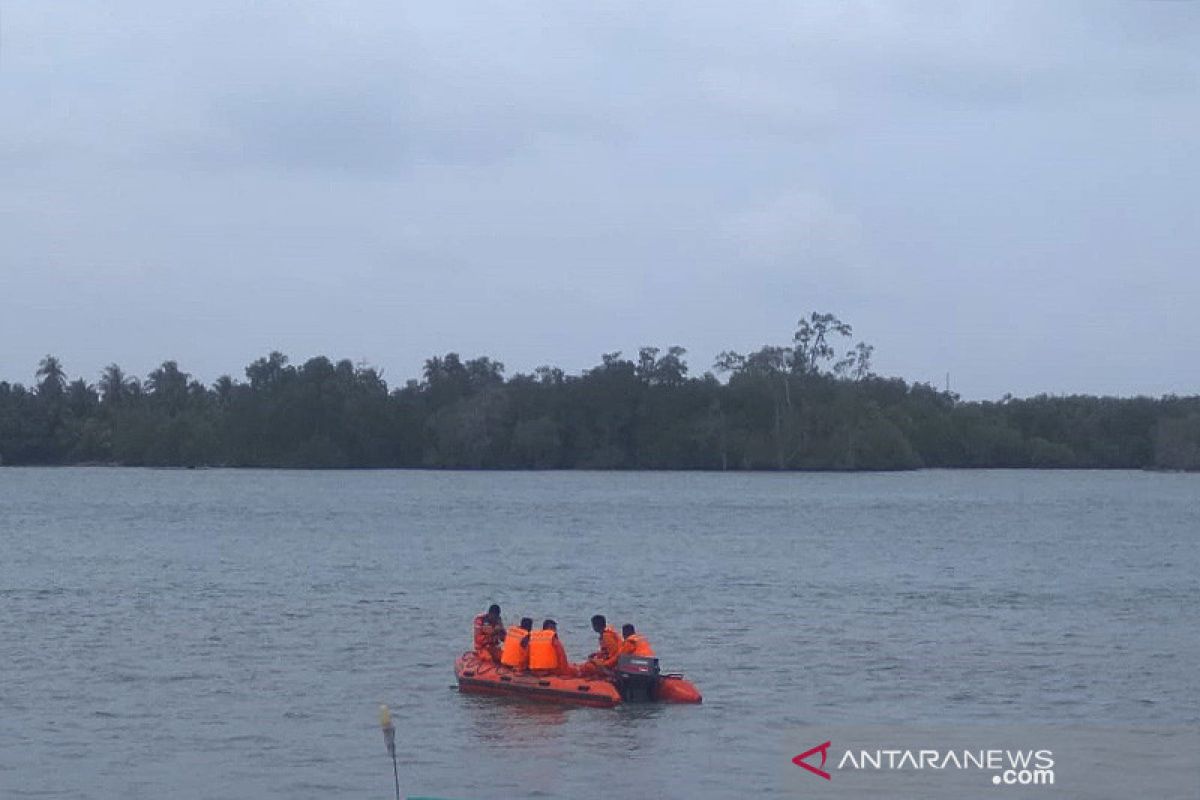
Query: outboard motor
(636, 678)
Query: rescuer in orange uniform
(516, 646)
(635, 644)
(610, 647)
(546, 653)
(488, 633)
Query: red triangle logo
(823, 749)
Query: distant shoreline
(582, 470)
(802, 407)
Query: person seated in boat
(488, 633)
(547, 656)
(515, 653)
(606, 657)
(635, 644)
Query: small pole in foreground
(389, 739)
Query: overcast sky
(1006, 192)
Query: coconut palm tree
(116, 386)
(168, 386)
(52, 378)
(223, 388)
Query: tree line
(812, 404)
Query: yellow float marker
(389, 739)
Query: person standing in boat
(635, 644)
(547, 656)
(604, 659)
(489, 633)
(515, 654)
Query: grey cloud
(997, 191)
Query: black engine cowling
(636, 678)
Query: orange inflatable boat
(636, 680)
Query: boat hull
(676, 689)
(488, 678)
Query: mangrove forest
(812, 404)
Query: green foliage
(804, 406)
(1177, 442)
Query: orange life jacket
(610, 646)
(610, 642)
(485, 632)
(636, 645)
(564, 663)
(542, 653)
(513, 655)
